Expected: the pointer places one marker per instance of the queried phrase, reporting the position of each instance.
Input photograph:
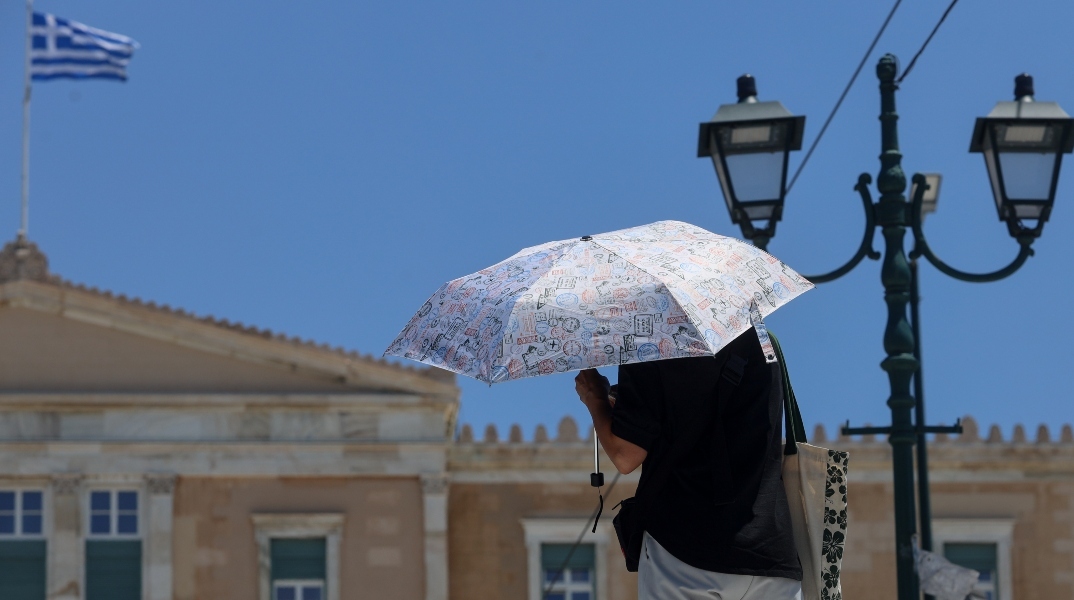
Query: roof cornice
(25, 283)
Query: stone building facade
(1014, 496)
(149, 453)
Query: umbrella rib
(671, 292)
(568, 244)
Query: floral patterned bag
(815, 480)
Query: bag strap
(792, 416)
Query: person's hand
(592, 387)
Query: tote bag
(815, 480)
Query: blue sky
(320, 168)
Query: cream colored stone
(384, 556)
(386, 526)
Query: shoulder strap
(792, 417)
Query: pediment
(55, 337)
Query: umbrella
(659, 291)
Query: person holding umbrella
(712, 509)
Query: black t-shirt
(722, 508)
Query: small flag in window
(65, 48)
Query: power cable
(843, 96)
(929, 39)
(578, 542)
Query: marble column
(66, 547)
(160, 488)
(434, 487)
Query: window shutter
(979, 557)
(22, 570)
(113, 570)
(553, 555)
(302, 558)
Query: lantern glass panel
(1033, 134)
(1027, 175)
(721, 173)
(756, 176)
(759, 212)
(751, 134)
(993, 173)
(1028, 137)
(747, 138)
(1028, 210)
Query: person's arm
(592, 388)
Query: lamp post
(1022, 142)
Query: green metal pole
(924, 504)
(900, 363)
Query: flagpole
(25, 222)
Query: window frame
(269, 526)
(540, 531)
(113, 513)
(300, 584)
(18, 513)
(570, 587)
(980, 531)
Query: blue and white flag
(65, 48)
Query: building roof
(26, 282)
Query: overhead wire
(843, 96)
(857, 71)
(578, 542)
(913, 61)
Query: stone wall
(382, 542)
(1027, 482)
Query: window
(548, 542)
(113, 569)
(298, 568)
(983, 545)
(113, 547)
(22, 547)
(298, 555)
(22, 569)
(21, 513)
(298, 590)
(113, 513)
(567, 575)
(980, 558)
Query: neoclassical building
(149, 453)
(1002, 506)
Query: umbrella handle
(596, 478)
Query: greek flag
(65, 48)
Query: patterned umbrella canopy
(658, 291)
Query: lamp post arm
(866, 247)
(921, 245)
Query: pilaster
(434, 488)
(66, 547)
(160, 499)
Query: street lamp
(1023, 143)
(749, 143)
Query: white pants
(661, 576)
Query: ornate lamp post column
(900, 363)
(1023, 143)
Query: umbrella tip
(587, 238)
